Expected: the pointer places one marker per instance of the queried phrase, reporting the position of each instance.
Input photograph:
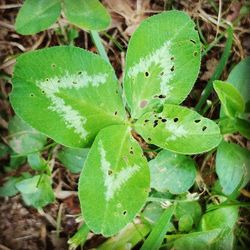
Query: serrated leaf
(162, 62)
(172, 172)
(90, 15)
(231, 100)
(24, 139)
(36, 191)
(67, 93)
(114, 182)
(73, 158)
(232, 166)
(179, 129)
(35, 16)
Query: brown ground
(25, 228)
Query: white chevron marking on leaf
(175, 130)
(52, 86)
(114, 181)
(161, 57)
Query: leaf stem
(98, 43)
(218, 71)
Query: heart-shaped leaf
(114, 182)
(66, 93)
(90, 15)
(179, 129)
(35, 16)
(172, 172)
(162, 62)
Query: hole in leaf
(149, 139)
(124, 212)
(155, 123)
(146, 120)
(197, 121)
(80, 72)
(110, 172)
(192, 41)
(143, 103)
(204, 128)
(131, 152)
(162, 96)
(58, 81)
(116, 92)
(47, 79)
(32, 95)
(172, 68)
(146, 74)
(163, 120)
(176, 119)
(172, 58)
(195, 53)
(53, 65)
(115, 112)
(43, 91)
(162, 73)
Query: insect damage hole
(32, 95)
(110, 172)
(204, 128)
(195, 53)
(172, 69)
(176, 119)
(192, 41)
(146, 74)
(124, 212)
(197, 121)
(53, 65)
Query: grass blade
(155, 238)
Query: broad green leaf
(23, 139)
(36, 162)
(231, 99)
(185, 223)
(240, 78)
(73, 158)
(223, 218)
(227, 125)
(114, 182)
(36, 191)
(243, 126)
(162, 62)
(191, 208)
(35, 16)
(179, 129)
(66, 93)
(197, 240)
(90, 15)
(232, 166)
(127, 238)
(172, 172)
(219, 218)
(155, 238)
(9, 187)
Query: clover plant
(73, 97)
(35, 16)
